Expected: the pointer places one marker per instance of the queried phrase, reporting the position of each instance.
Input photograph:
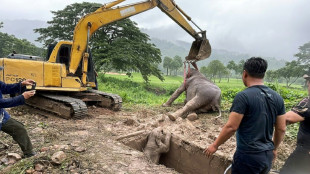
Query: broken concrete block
(192, 117)
(15, 156)
(80, 149)
(39, 167)
(58, 157)
(30, 171)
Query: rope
(189, 62)
(184, 74)
(227, 169)
(195, 66)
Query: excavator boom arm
(106, 15)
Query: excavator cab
(200, 49)
(63, 56)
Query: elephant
(158, 142)
(202, 95)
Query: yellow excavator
(64, 82)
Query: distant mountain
(182, 48)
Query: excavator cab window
(64, 55)
(49, 50)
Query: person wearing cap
(299, 161)
(9, 125)
(257, 115)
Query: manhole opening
(183, 156)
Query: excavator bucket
(201, 49)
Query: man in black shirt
(254, 114)
(299, 161)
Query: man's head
(254, 68)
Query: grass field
(135, 92)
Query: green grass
(133, 90)
(235, 83)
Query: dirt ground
(91, 145)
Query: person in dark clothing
(299, 161)
(10, 125)
(254, 114)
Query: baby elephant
(158, 142)
(202, 95)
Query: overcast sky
(274, 28)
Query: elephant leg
(217, 105)
(161, 145)
(164, 147)
(175, 95)
(190, 106)
(219, 109)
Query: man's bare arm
(292, 117)
(228, 130)
(279, 132)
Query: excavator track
(74, 105)
(64, 106)
(116, 100)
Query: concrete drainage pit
(183, 156)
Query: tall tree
(291, 72)
(231, 66)
(176, 64)
(8, 43)
(167, 63)
(304, 55)
(271, 75)
(204, 71)
(239, 67)
(216, 68)
(124, 48)
(119, 45)
(62, 25)
(223, 72)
